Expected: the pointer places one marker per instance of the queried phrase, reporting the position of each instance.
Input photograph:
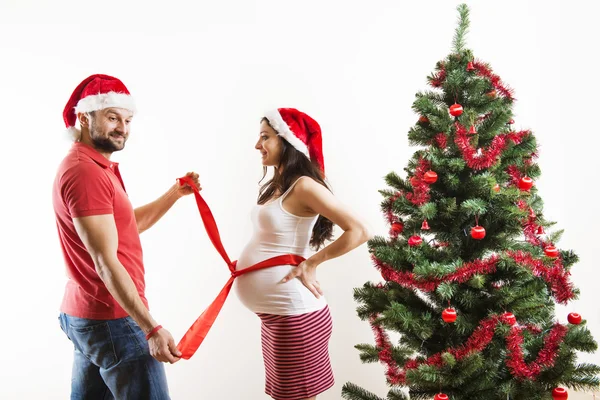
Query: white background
(202, 73)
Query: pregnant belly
(262, 292)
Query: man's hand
(163, 348)
(307, 273)
(183, 188)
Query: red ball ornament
(560, 394)
(525, 183)
(491, 93)
(423, 119)
(414, 241)
(574, 318)
(540, 230)
(497, 188)
(441, 396)
(512, 121)
(449, 315)
(425, 226)
(414, 181)
(509, 318)
(397, 227)
(478, 232)
(430, 177)
(470, 66)
(472, 130)
(456, 110)
(551, 251)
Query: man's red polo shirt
(88, 184)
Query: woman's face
(269, 144)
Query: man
(119, 347)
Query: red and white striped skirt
(296, 354)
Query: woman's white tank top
(276, 232)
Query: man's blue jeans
(112, 361)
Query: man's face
(109, 129)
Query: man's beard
(105, 144)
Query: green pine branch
(350, 391)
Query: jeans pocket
(62, 326)
(94, 341)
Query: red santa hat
(96, 92)
(300, 130)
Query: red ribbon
(194, 337)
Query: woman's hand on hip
(307, 273)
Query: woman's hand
(307, 273)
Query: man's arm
(99, 235)
(149, 214)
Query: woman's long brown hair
(294, 165)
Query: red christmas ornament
(430, 177)
(560, 394)
(456, 110)
(551, 251)
(574, 318)
(525, 183)
(540, 230)
(512, 121)
(472, 130)
(478, 232)
(441, 396)
(414, 241)
(449, 315)
(425, 226)
(497, 188)
(423, 119)
(491, 93)
(397, 227)
(509, 318)
(414, 181)
(470, 66)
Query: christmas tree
(471, 271)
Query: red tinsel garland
(382, 341)
(517, 137)
(477, 342)
(441, 140)
(488, 156)
(514, 173)
(485, 71)
(482, 70)
(439, 77)
(530, 226)
(556, 276)
(546, 357)
(420, 193)
(536, 330)
(461, 275)
(529, 230)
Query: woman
(295, 210)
